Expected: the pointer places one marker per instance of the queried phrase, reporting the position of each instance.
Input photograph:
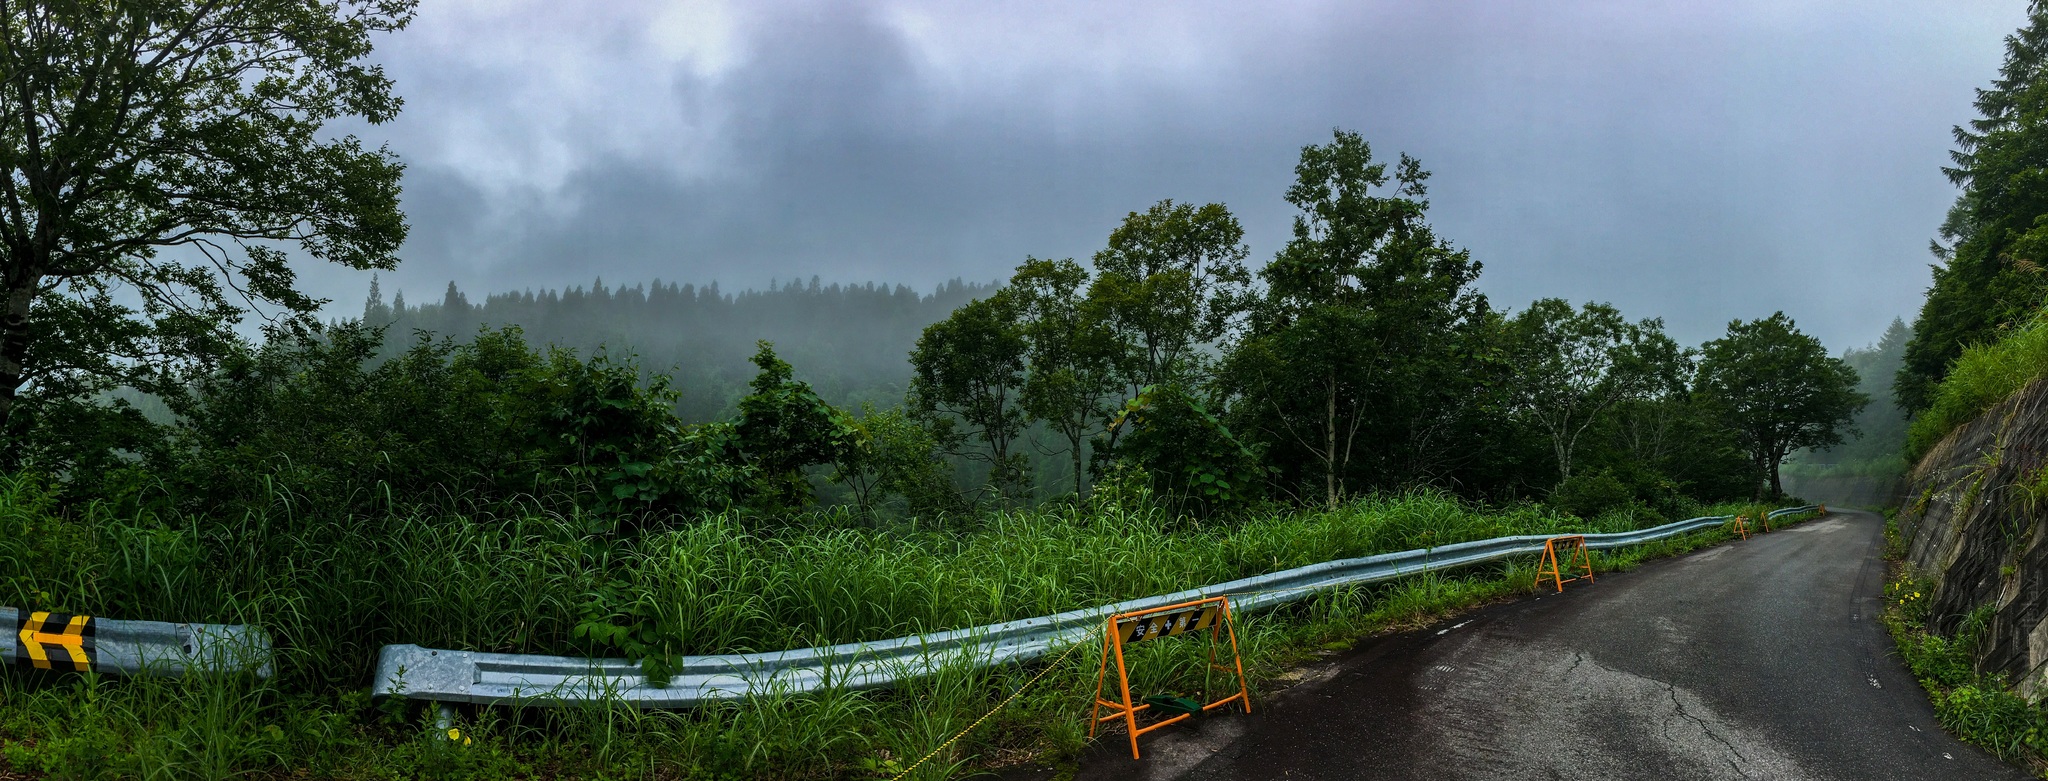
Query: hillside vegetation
(1965, 602)
(1982, 376)
(660, 471)
(1075, 437)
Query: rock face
(1973, 514)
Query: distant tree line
(849, 339)
(1878, 432)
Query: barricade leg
(1550, 562)
(1095, 712)
(1244, 696)
(1123, 677)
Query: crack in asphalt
(1679, 706)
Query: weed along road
(1761, 659)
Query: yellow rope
(984, 717)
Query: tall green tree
(1358, 333)
(1170, 280)
(784, 427)
(1574, 366)
(1069, 355)
(159, 155)
(1649, 422)
(970, 369)
(1994, 244)
(1778, 389)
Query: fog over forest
(850, 342)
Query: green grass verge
(334, 593)
(1976, 707)
(1982, 376)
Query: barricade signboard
(1168, 624)
(1212, 614)
(1577, 558)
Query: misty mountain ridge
(850, 341)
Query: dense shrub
(1196, 465)
(315, 423)
(1591, 493)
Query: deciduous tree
(1362, 314)
(1573, 366)
(970, 368)
(1170, 280)
(1069, 354)
(160, 157)
(1778, 389)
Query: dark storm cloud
(1696, 164)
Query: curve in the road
(1761, 659)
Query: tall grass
(334, 590)
(1982, 376)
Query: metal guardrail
(131, 647)
(476, 677)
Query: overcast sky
(1697, 161)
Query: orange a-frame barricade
(1578, 559)
(1742, 527)
(1212, 614)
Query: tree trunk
(13, 358)
(1076, 442)
(1330, 444)
(1777, 489)
(1564, 457)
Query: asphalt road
(1751, 660)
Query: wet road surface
(1761, 659)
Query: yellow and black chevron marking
(46, 640)
(1167, 624)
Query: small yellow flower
(465, 741)
(454, 734)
